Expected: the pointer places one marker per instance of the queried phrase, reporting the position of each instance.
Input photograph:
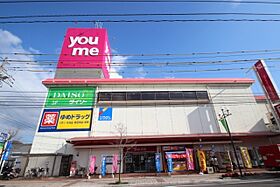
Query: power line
(153, 54)
(54, 61)
(140, 14)
(51, 62)
(138, 21)
(154, 72)
(143, 64)
(141, 1)
(8, 118)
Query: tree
(122, 142)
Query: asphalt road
(165, 181)
(253, 183)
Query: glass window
(118, 96)
(133, 96)
(162, 95)
(148, 95)
(202, 95)
(176, 95)
(189, 95)
(104, 96)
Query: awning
(165, 139)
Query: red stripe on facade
(260, 97)
(167, 138)
(148, 81)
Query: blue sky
(142, 38)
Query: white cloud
(140, 73)
(27, 89)
(236, 3)
(117, 66)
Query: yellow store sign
(53, 120)
(74, 119)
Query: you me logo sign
(85, 48)
(80, 41)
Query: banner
(169, 162)
(73, 168)
(53, 120)
(92, 164)
(157, 160)
(266, 80)
(7, 150)
(224, 123)
(190, 161)
(1, 149)
(70, 97)
(202, 160)
(85, 48)
(105, 114)
(246, 157)
(103, 166)
(115, 163)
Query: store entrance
(140, 162)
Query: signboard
(246, 157)
(190, 162)
(105, 114)
(157, 160)
(85, 48)
(266, 80)
(115, 163)
(169, 162)
(70, 97)
(202, 160)
(103, 166)
(53, 120)
(92, 164)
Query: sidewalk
(132, 180)
(172, 180)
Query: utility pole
(4, 75)
(223, 119)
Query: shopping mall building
(86, 114)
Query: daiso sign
(85, 48)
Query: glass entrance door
(140, 162)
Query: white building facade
(158, 116)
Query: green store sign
(70, 97)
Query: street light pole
(224, 116)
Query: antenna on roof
(98, 24)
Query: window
(176, 96)
(148, 95)
(104, 96)
(118, 96)
(190, 95)
(202, 95)
(133, 96)
(162, 95)
(156, 95)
